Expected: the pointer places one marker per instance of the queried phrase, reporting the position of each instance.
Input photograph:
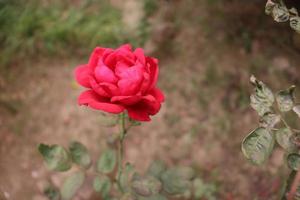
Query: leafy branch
(281, 13)
(115, 181)
(259, 144)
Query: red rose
(119, 80)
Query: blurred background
(207, 49)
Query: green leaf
(269, 7)
(293, 160)
(262, 99)
(176, 181)
(284, 139)
(280, 13)
(258, 145)
(71, 185)
(135, 123)
(52, 193)
(80, 154)
(293, 11)
(296, 109)
(107, 161)
(102, 184)
(126, 176)
(146, 185)
(55, 157)
(153, 197)
(186, 173)
(156, 168)
(285, 99)
(128, 196)
(204, 190)
(269, 120)
(295, 23)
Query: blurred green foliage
(60, 27)
(150, 7)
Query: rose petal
(126, 57)
(95, 56)
(106, 53)
(110, 60)
(153, 71)
(146, 83)
(141, 111)
(150, 104)
(158, 95)
(126, 47)
(90, 98)
(139, 53)
(134, 72)
(98, 88)
(137, 114)
(105, 74)
(111, 89)
(130, 80)
(128, 87)
(83, 75)
(126, 100)
(120, 67)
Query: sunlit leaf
(258, 145)
(71, 185)
(262, 99)
(293, 11)
(186, 173)
(156, 168)
(295, 23)
(296, 109)
(284, 139)
(269, 7)
(126, 177)
(204, 190)
(102, 184)
(128, 196)
(176, 180)
(269, 120)
(280, 13)
(285, 99)
(80, 154)
(146, 185)
(153, 197)
(107, 161)
(293, 160)
(55, 157)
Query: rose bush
(121, 79)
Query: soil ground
(204, 74)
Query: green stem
(123, 132)
(284, 122)
(290, 180)
(287, 125)
(289, 183)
